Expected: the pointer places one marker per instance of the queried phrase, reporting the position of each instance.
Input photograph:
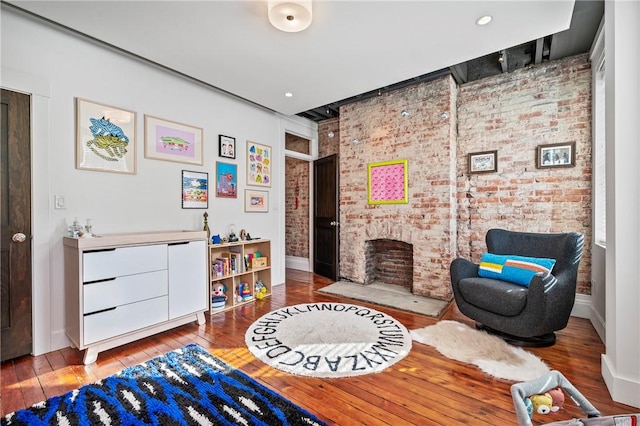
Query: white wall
(621, 363)
(56, 66)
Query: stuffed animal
(260, 290)
(558, 399)
(218, 296)
(542, 403)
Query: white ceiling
(351, 47)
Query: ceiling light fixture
(484, 20)
(289, 95)
(290, 16)
(405, 113)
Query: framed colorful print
(256, 201)
(226, 180)
(105, 138)
(226, 146)
(387, 182)
(171, 141)
(483, 162)
(258, 164)
(556, 155)
(195, 190)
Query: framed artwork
(556, 155)
(195, 190)
(256, 201)
(105, 138)
(226, 180)
(387, 182)
(258, 164)
(171, 141)
(483, 162)
(226, 146)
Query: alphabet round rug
(328, 340)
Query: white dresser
(122, 287)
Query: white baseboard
(599, 324)
(582, 306)
(622, 390)
(59, 340)
(299, 263)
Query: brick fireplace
(389, 262)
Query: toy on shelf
(260, 290)
(218, 296)
(245, 293)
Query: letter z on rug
(489, 353)
(328, 340)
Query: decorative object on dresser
(231, 265)
(122, 287)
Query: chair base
(543, 341)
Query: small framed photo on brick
(483, 162)
(556, 155)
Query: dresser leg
(90, 355)
(200, 318)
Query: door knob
(19, 237)
(334, 223)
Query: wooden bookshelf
(238, 266)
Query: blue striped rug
(187, 386)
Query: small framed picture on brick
(556, 155)
(483, 162)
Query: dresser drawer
(124, 290)
(125, 318)
(101, 264)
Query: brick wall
(514, 113)
(427, 139)
(449, 211)
(328, 145)
(296, 219)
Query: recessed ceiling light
(484, 20)
(288, 94)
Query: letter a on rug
(489, 353)
(188, 386)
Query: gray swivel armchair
(524, 316)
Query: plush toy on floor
(541, 403)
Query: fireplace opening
(390, 262)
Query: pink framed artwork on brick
(387, 182)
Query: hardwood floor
(424, 388)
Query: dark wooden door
(326, 214)
(15, 253)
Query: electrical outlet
(58, 202)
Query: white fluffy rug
(328, 340)
(489, 353)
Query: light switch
(58, 202)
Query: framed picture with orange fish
(172, 141)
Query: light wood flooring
(424, 388)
